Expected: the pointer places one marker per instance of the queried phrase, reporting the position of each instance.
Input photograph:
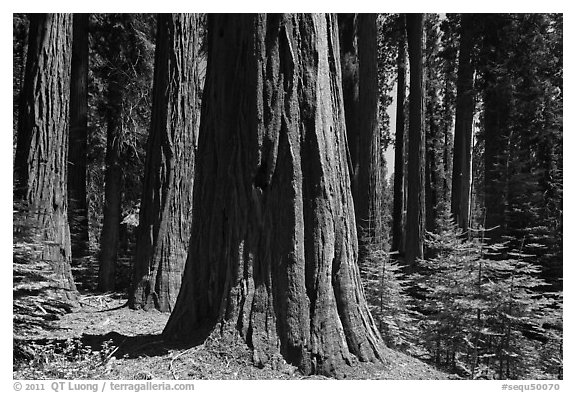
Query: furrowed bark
(416, 160)
(40, 166)
(165, 214)
(273, 248)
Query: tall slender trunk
(77, 150)
(273, 250)
(462, 162)
(110, 236)
(112, 211)
(416, 161)
(165, 213)
(497, 97)
(40, 167)
(448, 137)
(434, 144)
(399, 151)
(368, 195)
(433, 169)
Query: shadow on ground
(122, 346)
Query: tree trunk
(41, 154)
(434, 169)
(273, 249)
(165, 213)
(77, 150)
(416, 163)
(447, 131)
(112, 211)
(434, 146)
(20, 25)
(462, 162)
(369, 188)
(497, 98)
(399, 155)
(350, 89)
(110, 236)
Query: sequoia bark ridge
(273, 250)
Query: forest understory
(104, 339)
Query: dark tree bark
(449, 44)
(358, 51)
(367, 197)
(347, 27)
(399, 155)
(273, 249)
(165, 213)
(448, 111)
(20, 26)
(497, 98)
(77, 150)
(112, 212)
(462, 159)
(434, 168)
(40, 167)
(110, 236)
(416, 162)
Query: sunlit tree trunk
(40, 167)
(415, 205)
(461, 175)
(165, 213)
(273, 249)
(368, 193)
(399, 144)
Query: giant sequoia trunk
(78, 208)
(347, 26)
(368, 190)
(399, 155)
(360, 87)
(462, 162)
(415, 202)
(41, 153)
(273, 249)
(164, 229)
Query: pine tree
(484, 310)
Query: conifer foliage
(483, 316)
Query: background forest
(229, 173)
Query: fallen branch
(171, 367)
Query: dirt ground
(104, 339)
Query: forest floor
(104, 339)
